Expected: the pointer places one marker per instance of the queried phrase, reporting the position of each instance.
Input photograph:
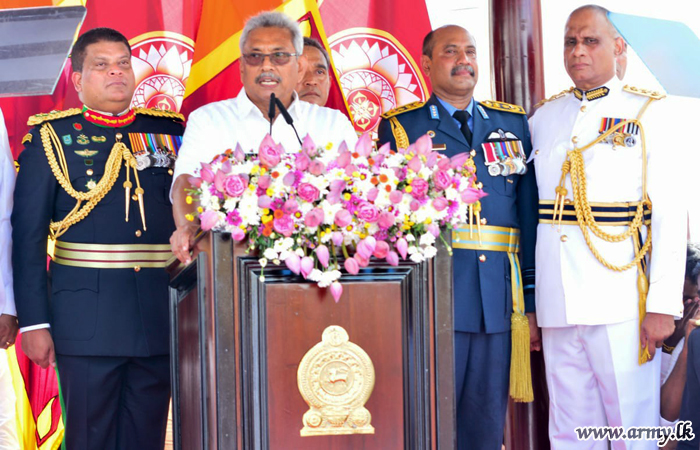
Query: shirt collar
(598, 92)
(451, 109)
(248, 107)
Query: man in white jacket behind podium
(602, 159)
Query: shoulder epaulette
(501, 106)
(27, 138)
(402, 109)
(160, 113)
(53, 115)
(554, 97)
(645, 92)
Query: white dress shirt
(217, 127)
(7, 186)
(573, 287)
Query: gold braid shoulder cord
(575, 166)
(120, 152)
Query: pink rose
(290, 206)
(314, 218)
(234, 186)
(368, 212)
(440, 203)
(308, 192)
(342, 218)
(208, 220)
(386, 220)
(269, 156)
(419, 187)
(442, 180)
(284, 225)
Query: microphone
(271, 110)
(287, 117)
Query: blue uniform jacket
(483, 297)
(92, 312)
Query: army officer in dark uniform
(488, 282)
(96, 180)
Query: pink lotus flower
(234, 186)
(432, 159)
(415, 205)
(361, 261)
(237, 234)
(293, 263)
(284, 225)
(381, 250)
(238, 153)
(333, 197)
(396, 197)
(363, 250)
(372, 194)
(337, 238)
(444, 163)
(386, 220)
(440, 203)
(434, 229)
(264, 181)
(314, 218)
(226, 166)
(419, 187)
(392, 258)
(352, 266)
(364, 145)
(368, 212)
(208, 220)
(309, 147)
(402, 247)
(195, 182)
(206, 173)
(424, 145)
(442, 180)
(317, 167)
(219, 178)
(415, 164)
(342, 218)
(322, 255)
(343, 159)
(307, 265)
(336, 291)
(471, 195)
(301, 161)
(269, 156)
(264, 201)
(350, 169)
(384, 149)
(337, 185)
(308, 192)
(289, 179)
(459, 160)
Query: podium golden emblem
(336, 378)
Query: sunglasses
(276, 58)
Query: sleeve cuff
(38, 326)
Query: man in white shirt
(592, 177)
(8, 314)
(271, 63)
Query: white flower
(315, 275)
(429, 252)
(263, 262)
(299, 252)
(413, 249)
(427, 239)
(410, 238)
(270, 254)
(417, 257)
(230, 204)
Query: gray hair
(271, 19)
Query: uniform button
(473, 153)
(574, 139)
(583, 108)
(479, 185)
(170, 171)
(118, 136)
(89, 172)
(564, 238)
(138, 233)
(537, 152)
(567, 201)
(134, 197)
(482, 258)
(137, 268)
(483, 220)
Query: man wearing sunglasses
(271, 63)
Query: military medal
(624, 136)
(77, 126)
(82, 140)
(155, 150)
(91, 184)
(100, 139)
(86, 153)
(67, 139)
(504, 154)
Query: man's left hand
(535, 336)
(8, 330)
(655, 328)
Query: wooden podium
(237, 344)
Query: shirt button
(583, 108)
(574, 139)
(137, 268)
(564, 238)
(482, 258)
(89, 172)
(138, 233)
(537, 152)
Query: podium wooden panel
(237, 343)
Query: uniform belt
(495, 239)
(112, 256)
(604, 213)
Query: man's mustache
(466, 67)
(271, 75)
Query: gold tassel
(520, 375)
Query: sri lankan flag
(39, 421)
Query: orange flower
(388, 188)
(383, 178)
(355, 155)
(370, 161)
(279, 214)
(374, 181)
(275, 174)
(267, 231)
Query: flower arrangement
(304, 208)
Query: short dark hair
(94, 36)
(428, 40)
(692, 262)
(311, 42)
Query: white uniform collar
(248, 107)
(614, 85)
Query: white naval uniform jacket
(572, 286)
(219, 126)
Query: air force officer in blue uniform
(97, 179)
(497, 136)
